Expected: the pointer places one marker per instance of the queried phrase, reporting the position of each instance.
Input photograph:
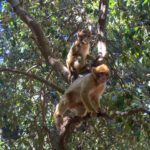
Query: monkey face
(84, 36)
(102, 77)
(101, 73)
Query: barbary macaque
(83, 95)
(76, 58)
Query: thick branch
(40, 38)
(71, 124)
(103, 9)
(53, 85)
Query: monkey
(83, 95)
(76, 58)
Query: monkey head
(101, 73)
(84, 36)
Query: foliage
(27, 105)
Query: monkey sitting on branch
(83, 95)
(76, 58)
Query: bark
(101, 28)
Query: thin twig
(53, 85)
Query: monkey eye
(102, 74)
(99, 74)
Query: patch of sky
(2, 2)
(0, 6)
(1, 29)
(1, 59)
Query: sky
(1, 58)
(0, 5)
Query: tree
(35, 38)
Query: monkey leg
(67, 102)
(80, 110)
(61, 108)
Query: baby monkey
(76, 58)
(83, 95)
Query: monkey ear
(79, 32)
(93, 70)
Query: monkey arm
(94, 100)
(86, 85)
(86, 101)
(74, 50)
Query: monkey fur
(83, 94)
(76, 58)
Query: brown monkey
(76, 58)
(83, 94)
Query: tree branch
(129, 113)
(101, 28)
(71, 123)
(53, 85)
(40, 38)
